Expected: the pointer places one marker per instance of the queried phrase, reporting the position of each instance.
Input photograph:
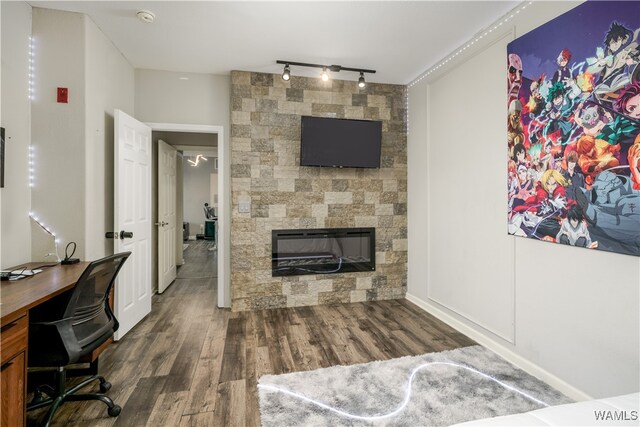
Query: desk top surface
(16, 297)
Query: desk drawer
(14, 338)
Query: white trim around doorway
(224, 205)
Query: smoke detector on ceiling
(146, 16)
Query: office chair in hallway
(69, 327)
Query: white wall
(73, 143)
(58, 130)
(162, 97)
(459, 189)
(109, 85)
(15, 230)
(196, 192)
(568, 315)
(213, 188)
(1, 124)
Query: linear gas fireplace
(323, 251)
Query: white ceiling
(398, 39)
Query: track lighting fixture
(286, 74)
(361, 82)
(324, 75)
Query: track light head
(286, 74)
(361, 82)
(325, 75)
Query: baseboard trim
(498, 348)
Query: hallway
(192, 364)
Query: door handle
(161, 224)
(111, 234)
(126, 234)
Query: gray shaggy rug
(429, 390)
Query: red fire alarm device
(63, 95)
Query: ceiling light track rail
(286, 74)
(334, 68)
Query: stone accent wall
(265, 171)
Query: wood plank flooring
(192, 364)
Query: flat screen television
(340, 142)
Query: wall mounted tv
(340, 142)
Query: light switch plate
(244, 207)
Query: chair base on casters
(62, 394)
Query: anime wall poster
(573, 129)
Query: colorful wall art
(573, 129)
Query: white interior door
(166, 224)
(132, 206)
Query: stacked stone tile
(265, 171)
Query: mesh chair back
(89, 304)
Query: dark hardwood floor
(192, 364)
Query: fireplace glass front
(322, 251)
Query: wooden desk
(16, 298)
(19, 296)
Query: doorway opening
(200, 193)
(201, 177)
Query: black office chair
(70, 327)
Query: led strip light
(31, 90)
(479, 36)
(56, 240)
(31, 166)
(32, 169)
(407, 398)
(31, 67)
(506, 18)
(41, 224)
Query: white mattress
(625, 408)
